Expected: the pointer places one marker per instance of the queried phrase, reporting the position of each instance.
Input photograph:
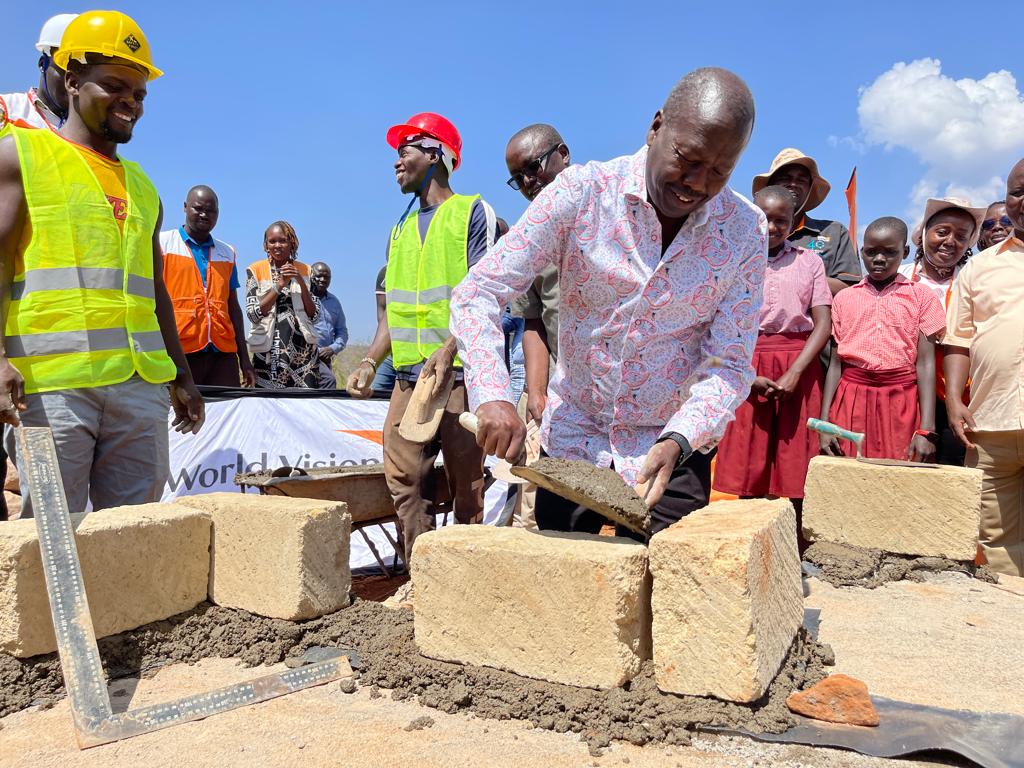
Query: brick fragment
(836, 699)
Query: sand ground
(950, 641)
(325, 727)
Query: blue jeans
(384, 381)
(513, 328)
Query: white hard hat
(52, 31)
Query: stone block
(13, 505)
(925, 511)
(140, 564)
(277, 556)
(570, 608)
(727, 598)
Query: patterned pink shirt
(647, 344)
(878, 330)
(793, 283)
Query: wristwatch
(685, 451)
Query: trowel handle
(828, 428)
(468, 421)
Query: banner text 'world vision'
(206, 476)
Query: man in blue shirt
(331, 331)
(202, 280)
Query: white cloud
(848, 142)
(967, 133)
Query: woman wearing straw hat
(798, 173)
(949, 230)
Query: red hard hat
(428, 124)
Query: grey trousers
(326, 377)
(112, 445)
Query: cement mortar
(383, 639)
(602, 484)
(842, 565)
(205, 631)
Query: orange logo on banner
(373, 435)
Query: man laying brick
(660, 269)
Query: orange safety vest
(201, 312)
(261, 271)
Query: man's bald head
(535, 155)
(1015, 198)
(542, 133)
(203, 191)
(712, 95)
(201, 212)
(695, 141)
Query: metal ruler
(94, 720)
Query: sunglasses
(988, 224)
(531, 169)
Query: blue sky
(282, 108)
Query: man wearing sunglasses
(535, 156)
(660, 268)
(996, 226)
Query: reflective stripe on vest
(421, 277)
(200, 311)
(67, 278)
(68, 342)
(83, 308)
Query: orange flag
(851, 203)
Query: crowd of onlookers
(620, 312)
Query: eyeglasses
(532, 169)
(988, 224)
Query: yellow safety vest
(421, 276)
(83, 306)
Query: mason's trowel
(601, 490)
(857, 438)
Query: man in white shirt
(660, 269)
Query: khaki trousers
(1000, 457)
(526, 500)
(408, 466)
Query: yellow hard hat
(109, 33)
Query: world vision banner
(252, 434)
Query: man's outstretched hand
(657, 470)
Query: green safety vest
(83, 302)
(420, 279)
